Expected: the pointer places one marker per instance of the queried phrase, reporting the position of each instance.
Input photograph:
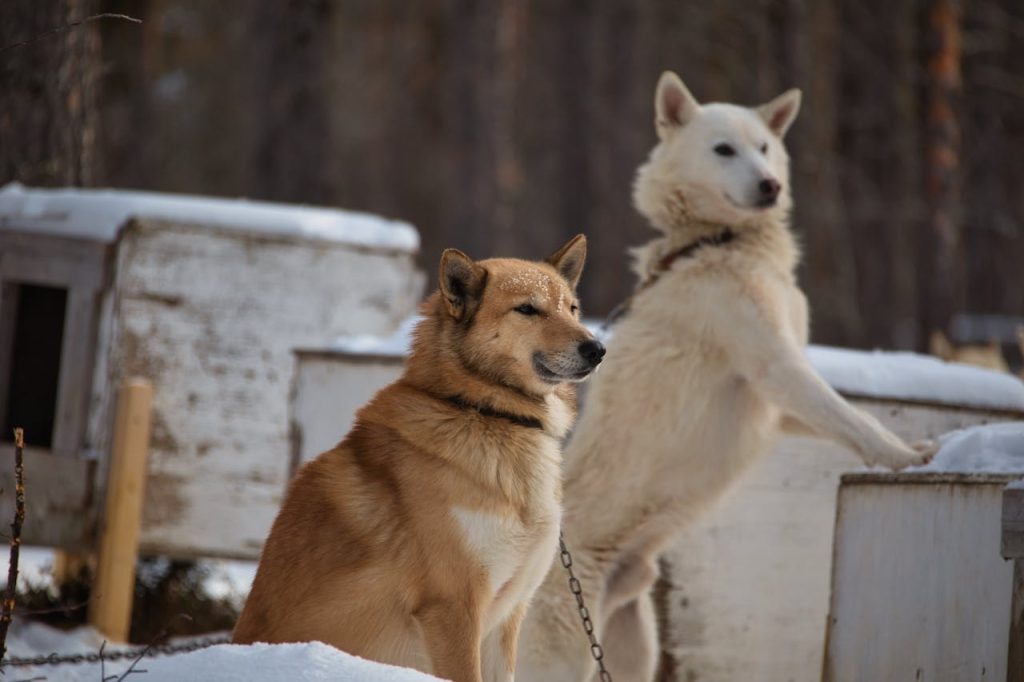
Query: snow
(991, 449)
(309, 662)
(99, 214)
(912, 377)
(397, 344)
(875, 374)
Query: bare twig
(73, 24)
(131, 669)
(65, 609)
(19, 518)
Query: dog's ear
(569, 259)
(674, 106)
(779, 114)
(462, 282)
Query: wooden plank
(1015, 656)
(76, 364)
(918, 589)
(111, 607)
(53, 261)
(1013, 521)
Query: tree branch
(19, 518)
(73, 24)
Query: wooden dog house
(205, 298)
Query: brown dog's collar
(517, 419)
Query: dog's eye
(574, 309)
(725, 150)
(526, 309)
(764, 147)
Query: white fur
(698, 378)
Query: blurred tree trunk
(993, 144)
(294, 128)
(48, 93)
(942, 273)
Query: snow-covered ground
(311, 662)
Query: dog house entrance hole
(34, 327)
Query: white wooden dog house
(204, 297)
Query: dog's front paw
(901, 456)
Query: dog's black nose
(592, 351)
(769, 188)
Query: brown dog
(421, 537)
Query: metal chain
(137, 652)
(596, 650)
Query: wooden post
(110, 610)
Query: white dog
(702, 371)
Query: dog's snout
(592, 351)
(769, 188)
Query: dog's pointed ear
(780, 113)
(674, 106)
(569, 259)
(462, 282)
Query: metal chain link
(596, 650)
(137, 652)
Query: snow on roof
(397, 344)
(990, 449)
(99, 214)
(311, 662)
(916, 378)
(876, 374)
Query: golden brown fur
(421, 537)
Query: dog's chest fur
(514, 547)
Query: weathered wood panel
(328, 390)
(1015, 655)
(211, 318)
(59, 497)
(1013, 548)
(919, 591)
(1013, 521)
